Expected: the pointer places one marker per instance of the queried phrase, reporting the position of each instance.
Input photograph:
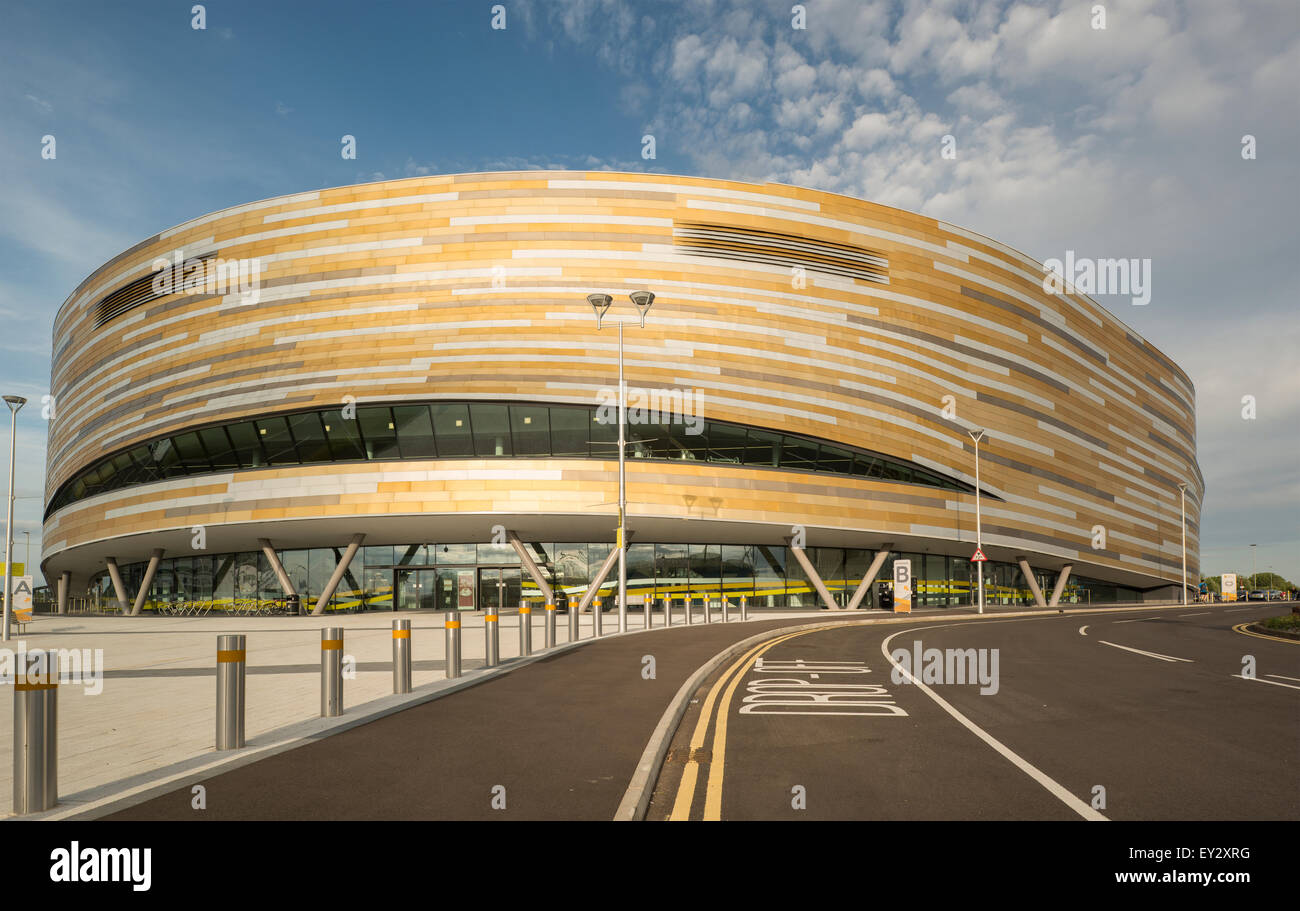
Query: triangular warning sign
(979, 557)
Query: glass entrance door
(415, 589)
(498, 588)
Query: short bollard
(36, 741)
(549, 634)
(401, 656)
(668, 611)
(726, 603)
(573, 619)
(492, 639)
(452, 627)
(596, 614)
(686, 609)
(649, 611)
(331, 671)
(707, 604)
(744, 609)
(231, 665)
(525, 629)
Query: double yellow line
(730, 679)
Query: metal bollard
(744, 609)
(550, 625)
(525, 629)
(686, 609)
(707, 618)
(668, 611)
(36, 741)
(573, 619)
(331, 671)
(726, 603)
(401, 656)
(492, 639)
(649, 611)
(231, 665)
(452, 627)
(596, 618)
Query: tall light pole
(978, 435)
(601, 304)
(1254, 564)
(1182, 505)
(14, 402)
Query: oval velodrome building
(395, 395)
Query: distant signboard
(1229, 586)
(902, 586)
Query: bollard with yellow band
(573, 619)
(744, 608)
(596, 617)
(492, 639)
(36, 741)
(452, 631)
(525, 628)
(331, 671)
(549, 629)
(686, 608)
(649, 602)
(668, 611)
(401, 656)
(231, 668)
(707, 618)
(726, 603)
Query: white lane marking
(1148, 654)
(1201, 614)
(1237, 610)
(1290, 686)
(1081, 630)
(1283, 677)
(1024, 765)
(1138, 620)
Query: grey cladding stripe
(1040, 416)
(936, 501)
(1042, 473)
(103, 359)
(1037, 320)
(1162, 478)
(244, 505)
(973, 353)
(1027, 535)
(1172, 422)
(787, 380)
(206, 379)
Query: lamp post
(14, 402)
(1254, 565)
(1182, 506)
(601, 303)
(978, 435)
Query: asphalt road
(562, 736)
(1148, 705)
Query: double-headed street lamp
(14, 402)
(601, 304)
(978, 435)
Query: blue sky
(1117, 142)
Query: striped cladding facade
(783, 308)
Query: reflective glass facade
(474, 430)
(480, 576)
